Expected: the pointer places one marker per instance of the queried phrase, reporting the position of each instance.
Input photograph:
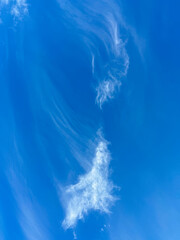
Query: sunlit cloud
(93, 191)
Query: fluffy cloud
(93, 190)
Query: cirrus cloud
(93, 191)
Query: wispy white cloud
(93, 190)
(101, 30)
(20, 8)
(27, 209)
(117, 66)
(17, 8)
(106, 91)
(73, 130)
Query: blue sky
(89, 99)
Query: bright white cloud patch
(93, 190)
(20, 8)
(17, 8)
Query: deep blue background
(42, 61)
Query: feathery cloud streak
(28, 218)
(101, 33)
